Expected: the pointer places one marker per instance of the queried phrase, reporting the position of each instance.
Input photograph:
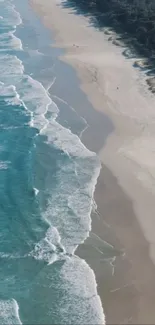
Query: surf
(49, 178)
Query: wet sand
(120, 248)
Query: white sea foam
(10, 94)
(69, 207)
(36, 191)
(49, 248)
(12, 17)
(11, 256)
(37, 101)
(8, 41)
(65, 140)
(70, 203)
(80, 284)
(9, 312)
(4, 164)
(12, 69)
(76, 181)
(10, 20)
(34, 96)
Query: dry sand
(125, 193)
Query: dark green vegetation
(134, 20)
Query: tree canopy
(134, 18)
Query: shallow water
(47, 181)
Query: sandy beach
(124, 223)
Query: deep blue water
(47, 180)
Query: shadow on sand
(110, 23)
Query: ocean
(47, 182)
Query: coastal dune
(125, 192)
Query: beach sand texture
(125, 193)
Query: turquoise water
(47, 181)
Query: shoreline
(120, 196)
